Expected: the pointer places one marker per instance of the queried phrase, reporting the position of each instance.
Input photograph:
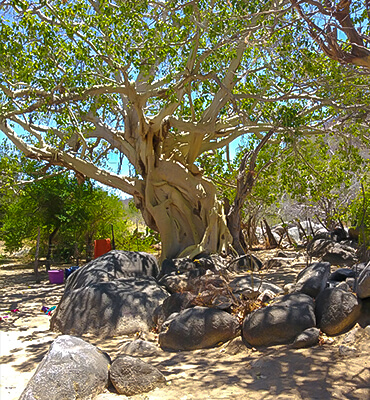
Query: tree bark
(251, 232)
(36, 263)
(50, 245)
(182, 206)
(271, 241)
(245, 181)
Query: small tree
(73, 214)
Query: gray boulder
(107, 309)
(244, 285)
(140, 348)
(364, 319)
(340, 254)
(175, 282)
(198, 328)
(319, 246)
(279, 322)
(173, 304)
(131, 376)
(336, 310)
(176, 265)
(363, 283)
(72, 369)
(341, 274)
(111, 266)
(313, 279)
(308, 338)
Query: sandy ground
(338, 369)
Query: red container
(101, 247)
(56, 276)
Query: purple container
(56, 276)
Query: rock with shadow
(131, 376)
(363, 283)
(113, 295)
(281, 322)
(114, 265)
(72, 369)
(106, 309)
(341, 274)
(245, 285)
(179, 274)
(173, 304)
(337, 310)
(176, 274)
(308, 338)
(343, 253)
(313, 279)
(140, 348)
(198, 328)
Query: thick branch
(64, 159)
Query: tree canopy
(162, 83)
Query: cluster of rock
(194, 304)
(75, 369)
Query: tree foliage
(70, 215)
(163, 83)
(341, 28)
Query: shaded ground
(337, 369)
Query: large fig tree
(159, 83)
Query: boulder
(177, 265)
(279, 322)
(341, 274)
(308, 338)
(180, 274)
(340, 254)
(198, 328)
(318, 246)
(313, 279)
(176, 273)
(175, 282)
(107, 309)
(244, 285)
(364, 319)
(213, 262)
(173, 304)
(140, 348)
(363, 283)
(111, 266)
(177, 302)
(343, 285)
(131, 376)
(336, 310)
(72, 369)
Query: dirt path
(339, 369)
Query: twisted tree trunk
(183, 207)
(246, 179)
